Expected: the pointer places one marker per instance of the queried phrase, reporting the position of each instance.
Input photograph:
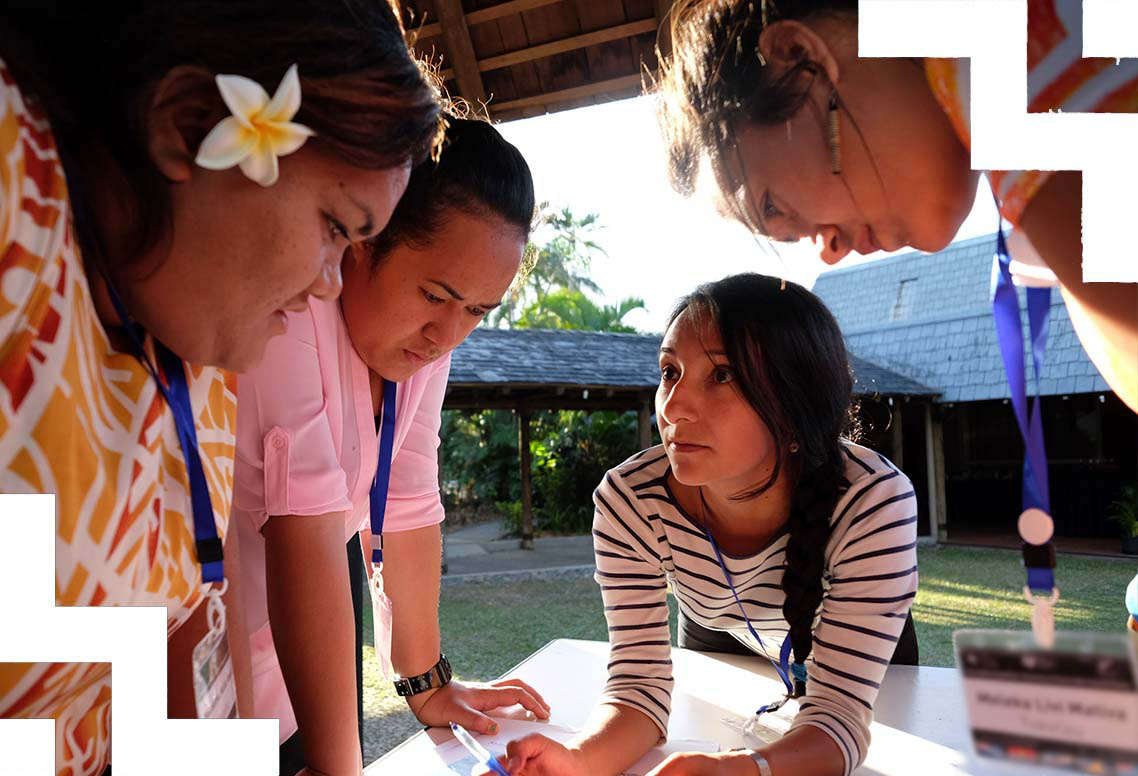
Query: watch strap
(438, 676)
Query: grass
(489, 627)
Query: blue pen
(478, 750)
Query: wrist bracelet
(438, 676)
(764, 766)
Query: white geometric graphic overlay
(132, 640)
(993, 34)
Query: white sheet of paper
(458, 761)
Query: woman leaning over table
(772, 530)
(158, 214)
(807, 139)
(307, 452)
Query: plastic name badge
(215, 692)
(1074, 705)
(381, 622)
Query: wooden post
(527, 493)
(461, 50)
(644, 425)
(898, 436)
(934, 456)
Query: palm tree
(567, 309)
(561, 263)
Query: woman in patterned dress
(806, 139)
(102, 110)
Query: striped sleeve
(634, 589)
(873, 566)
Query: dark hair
(90, 67)
(477, 172)
(791, 366)
(714, 82)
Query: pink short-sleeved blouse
(307, 445)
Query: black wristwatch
(438, 676)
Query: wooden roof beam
(461, 50)
(565, 95)
(619, 32)
(484, 15)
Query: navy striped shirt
(646, 544)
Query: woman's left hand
(694, 764)
(465, 703)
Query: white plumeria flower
(259, 131)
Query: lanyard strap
(177, 396)
(382, 472)
(1038, 559)
(782, 666)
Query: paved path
(479, 549)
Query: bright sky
(609, 159)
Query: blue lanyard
(783, 665)
(382, 472)
(1006, 311)
(177, 396)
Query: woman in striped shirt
(766, 524)
(807, 139)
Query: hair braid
(817, 492)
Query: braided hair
(715, 82)
(791, 366)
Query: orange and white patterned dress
(83, 419)
(1058, 78)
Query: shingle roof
(929, 317)
(591, 358)
(556, 357)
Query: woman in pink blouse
(307, 454)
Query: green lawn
(488, 628)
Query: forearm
(614, 737)
(804, 751)
(411, 578)
(1105, 315)
(313, 626)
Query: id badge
(381, 621)
(1074, 705)
(215, 691)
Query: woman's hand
(537, 755)
(465, 703)
(721, 764)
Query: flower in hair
(260, 130)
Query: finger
(497, 697)
(524, 686)
(520, 751)
(474, 720)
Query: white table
(920, 723)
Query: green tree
(566, 309)
(562, 262)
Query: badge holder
(381, 618)
(215, 692)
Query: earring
(835, 135)
(794, 447)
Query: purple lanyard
(177, 396)
(382, 472)
(1039, 560)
